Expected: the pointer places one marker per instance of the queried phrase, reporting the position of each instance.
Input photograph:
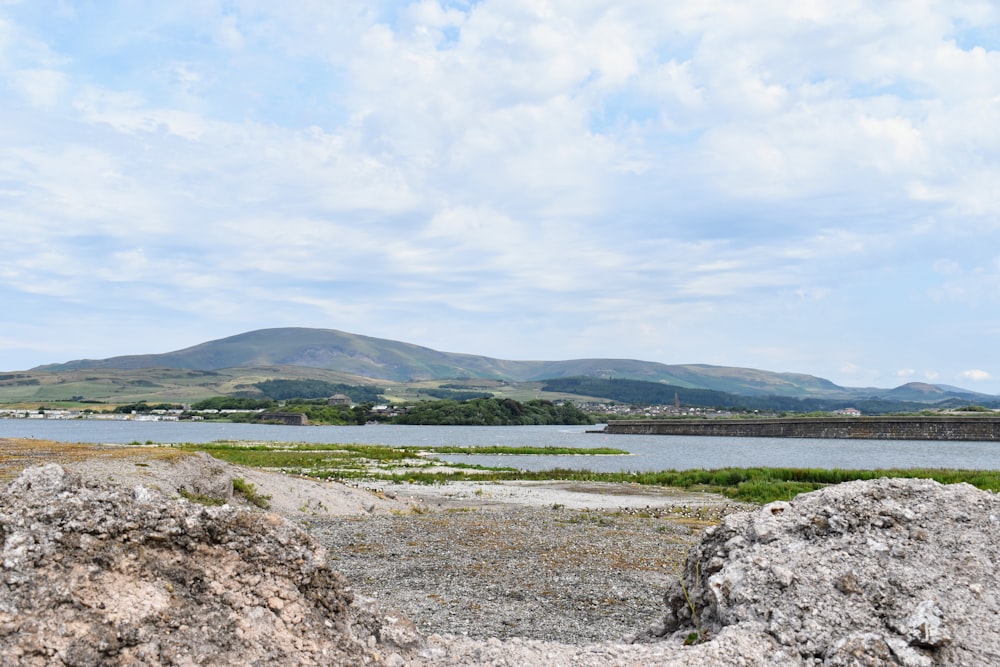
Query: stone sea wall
(869, 428)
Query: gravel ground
(549, 573)
(518, 573)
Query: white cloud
(708, 180)
(40, 87)
(129, 113)
(975, 375)
(228, 33)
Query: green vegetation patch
(250, 492)
(360, 460)
(643, 392)
(417, 465)
(542, 451)
(493, 412)
(456, 395)
(753, 485)
(281, 390)
(201, 498)
(316, 460)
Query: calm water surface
(652, 452)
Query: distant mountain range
(396, 361)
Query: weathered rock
(889, 572)
(204, 476)
(101, 575)
(883, 572)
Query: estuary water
(646, 452)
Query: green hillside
(317, 348)
(234, 365)
(153, 385)
(382, 359)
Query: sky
(808, 187)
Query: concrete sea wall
(868, 428)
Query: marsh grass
(754, 485)
(529, 451)
(355, 461)
(416, 465)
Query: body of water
(647, 452)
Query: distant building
(339, 399)
(848, 412)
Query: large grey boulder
(104, 575)
(883, 572)
(888, 572)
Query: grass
(414, 465)
(250, 492)
(307, 459)
(541, 451)
(754, 485)
(201, 498)
(700, 635)
(354, 461)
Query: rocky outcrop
(885, 572)
(101, 575)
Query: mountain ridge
(390, 360)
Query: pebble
(573, 576)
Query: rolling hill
(359, 356)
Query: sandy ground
(571, 495)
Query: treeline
(452, 395)
(142, 407)
(233, 403)
(283, 390)
(641, 392)
(493, 412)
(466, 385)
(318, 412)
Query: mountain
(929, 393)
(404, 362)
(314, 348)
(389, 360)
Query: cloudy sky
(810, 186)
